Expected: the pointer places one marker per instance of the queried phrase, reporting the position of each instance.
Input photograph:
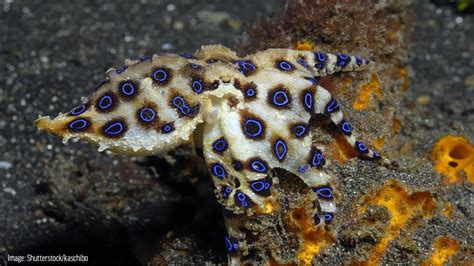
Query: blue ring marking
(250, 122)
(186, 55)
(321, 58)
(304, 168)
(147, 114)
(242, 198)
(160, 75)
(145, 58)
(342, 60)
(361, 147)
(258, 166)
(180, 104)
(250, 92)
(376, 156)
(285, 66)
(78, 110)
(197, 86)
(167, 128)
(114, 129)
(332, 106)
(230, 246)
(120, 70)
(313, 80)
(108, 102)
(300, 130)
(308, 101)
(78, 124)
(245, 67)
(302, 61)
(324, 192)
(316, 219)
(280, 149)
(346, 128)
(220, 145)
(260, 185)
(128, 88)
(226, 190)
(194, 66)
(359, 61)
(328, 216)
(218, 170)
(317, 159)
(237, 165)
(275, 98)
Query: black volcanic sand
(71, 199)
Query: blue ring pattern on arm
(218, 170)
(308, 101)
(259, 166)
(160, 75)
(114, 129)
(328, 217)
(300, 130)
(302, 61)
(167, 128)
(250, 92)
(358, 61)
(186, 55)
(120, 70)
(105, 102)
(261, 186)
(220, 145)
(332, 106)
(346, 128)
(342, 60)
(246, 67)
(361, 148)
(127, 88)
(226, 190)
(324, 192)
(147, 114)
(280, 98)
(231, 245)
(237, 166)
(313, 80)
(78, 124)
(197, 86)
(284, 65)
(78, 110)
(317, 159)
(253, 128)
(241, 199)
(280, 149)
(320, 59)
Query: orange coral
(304, 45)
(314, 238)
(453, 155)
(444, 248)
(365, 92)
(402, 208)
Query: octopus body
(249, 115)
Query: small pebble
(423, 100)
